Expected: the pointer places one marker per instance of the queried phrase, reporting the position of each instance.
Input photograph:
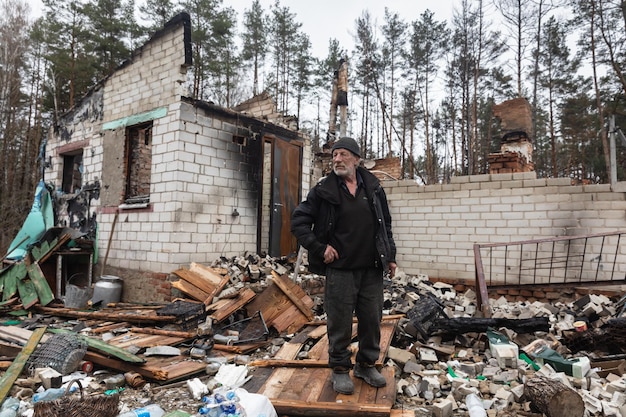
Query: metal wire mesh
(62, 352)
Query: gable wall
(198, 176)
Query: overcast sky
(326, 19)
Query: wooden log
(553, 398)
(103, 315)
(470, 324)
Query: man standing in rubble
(346, 227)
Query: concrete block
(412, 367)
(506, 354)
(427, 355)
(400, 356)
(505, 395)
(411, 390)
(616, 386)
(49, 377)
(518, 391)
(592, 404)
(609, 410)
(443, 408)
(618, 399)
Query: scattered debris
(251, 323)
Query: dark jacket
(313, 221)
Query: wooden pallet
(304, 387)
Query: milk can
(108, 289)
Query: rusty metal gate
(595, 259)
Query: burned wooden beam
(611, 338)
(469, 324)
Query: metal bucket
(76, 295)
(108, 289)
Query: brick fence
(436, 226)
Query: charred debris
(533, 352)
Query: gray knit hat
(347, 143)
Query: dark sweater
(355, 232)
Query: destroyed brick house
(167, 180)
(164, 181)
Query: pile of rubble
(565, 357)
(445, 353)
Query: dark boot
(369, 374)
(342, 383)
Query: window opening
(138, 163)
(72, 172)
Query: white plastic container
(152, 410)
(475, 406)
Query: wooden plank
(17, 335)
(291, 291)
(209, 274)
(320, 349)
(387, 394)
(107, 327)
(387, 330)
(44, 292)
(143, 340)
(106, 314)
(277, 382)
(278, 310)
(324, 409)
(240, 348)
(402, 413)
(294, 389)
(14, 371)
(190, 290)
(288, 351)
(27, 292)
(218, 289)
(230, 306)
(298, 363)
(367, 393)
(171, 333)
(104, 347)
(315, 384)
(195, 280)
(320, 331)
(55, 245)
(15, 273)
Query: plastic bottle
(10, 407)
(51, 394)
(152, 410)
(475, 406)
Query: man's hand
(392, 269)
(330, 254)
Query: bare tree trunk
(603, 134)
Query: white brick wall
(435, 227)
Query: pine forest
(421, 87)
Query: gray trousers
(346, 292)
